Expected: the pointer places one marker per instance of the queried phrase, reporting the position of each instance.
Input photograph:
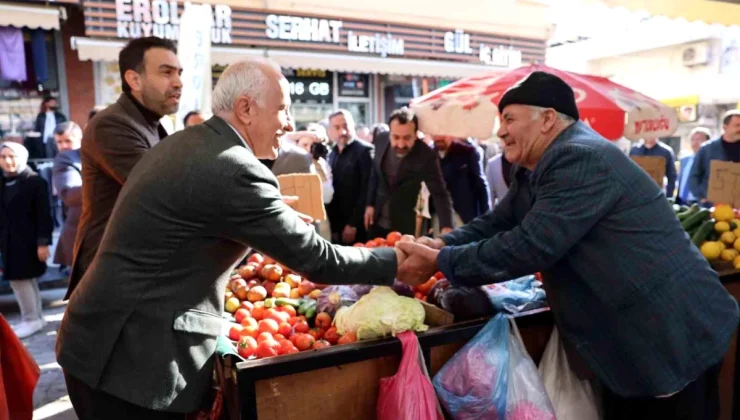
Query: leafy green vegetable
(380, 313)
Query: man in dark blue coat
(464, 177)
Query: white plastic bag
(526, 398)
(572, 398)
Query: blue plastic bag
(473, 383)
(518, 295)
(492, 377)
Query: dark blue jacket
(699, 177)
(664, 151)
(627, 288)
(465, 180)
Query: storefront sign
(458, 42)
(653, 166)
(310, 85)
(384, 45)
(353, 84)
(292, 28)
(500, 56)
(141, 18)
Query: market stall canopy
(107, 50)
(724, 12)
(468, 107)
(30, 16)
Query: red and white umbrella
(468, 107)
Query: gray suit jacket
(66, 175)
(143, 323)
(292, 160)
(113, 142)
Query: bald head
(253, 96)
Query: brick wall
(80, 79)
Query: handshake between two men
(417, 259)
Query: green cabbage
(380, 313)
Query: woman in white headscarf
(25, 233)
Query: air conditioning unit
(696, 55)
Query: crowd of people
(155, 223)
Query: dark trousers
(698, 401)
(94, 404)
(377, 231)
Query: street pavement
(50, 398)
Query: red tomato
(286, 346)
(268, 326)
(278, 337)
(272, 313)
(258, 312)
(265, 336)
(371, 244)
(359, 245)
(393, 237)
(347, 338)
(316, 333)
(240, 314)
(234, 332)
(285, 329)
(323, 320)
(292, 350)
(321, 344)
(256, 258)
(293, 320)
(250, 330)
(301, 327)
(247, 347)
(288, 310)
(439, 275)
(267, 348)
(331, 335)
(304, 342)
(246, 322)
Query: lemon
(729, 254)
(736, 262)
(722, 227)
(721, 245)
(737, 244)
(723, 213)
(711, 250)
(728, 238)
(737, 232)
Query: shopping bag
(492, 377)
(408, 395)
(19, 374)
(526, 398)
(572, 398)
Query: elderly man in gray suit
(140, 331)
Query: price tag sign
(653, 166)
(724, 183)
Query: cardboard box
(307, 187)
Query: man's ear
(245, 109)
(551, 117)
(133, 79)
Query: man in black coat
(401, 164)
(46, 121)
(351, 161)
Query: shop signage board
(281, 29)
(724, 183)
(653, 165)
(353, 85)
(310, 85)
(141, 18)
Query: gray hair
(70, 127)
(538, 110)
(345, 113)
(245, 77)
(702, 130)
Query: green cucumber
(303, 307)
(288, 302)
(691, 210)
(696, 219)
(702, 233)
(311, 312)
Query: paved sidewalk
(50, 399)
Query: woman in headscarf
(25, 233)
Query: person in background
(402, 162)
(193, 118)
(364, 134)
(697, 137)
(190, 210)
(115, 140)
(378, 129)
(498, 173)
(655, 147)
(464, 178)
(46, 121)
(351, 163)
(638, 308)
(67, 179)
(25, 233)
(315, 143)
(726, 148)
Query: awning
(681, 101)
(33, 17)
(724, 12)
(107, 50)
